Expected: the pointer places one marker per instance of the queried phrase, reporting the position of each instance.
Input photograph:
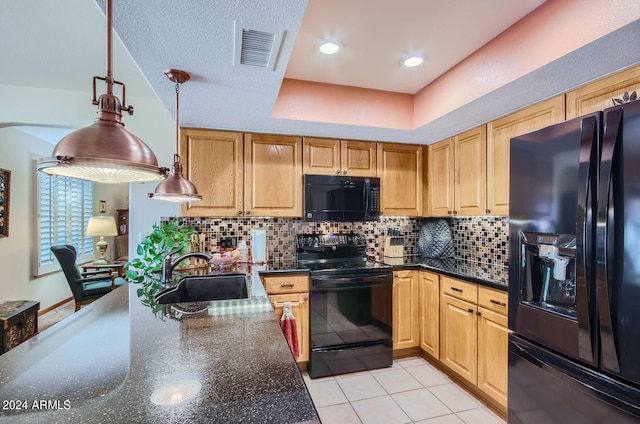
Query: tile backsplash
(281, 232)
(482, 239)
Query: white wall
(42, 106)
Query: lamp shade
(102, 226)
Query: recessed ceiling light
(412, 61)
(329, 47)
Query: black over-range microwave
(341, 198)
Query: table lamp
(101, 226)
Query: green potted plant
(166, 237)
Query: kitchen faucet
(168, 266)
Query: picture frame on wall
(5, 189)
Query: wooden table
(116, 268)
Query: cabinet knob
(247, 212)
(449, 212)
(470, 310)
(488, 211)
(239, 212)
(338, 172)
(344, 172)
(478, 313)
(455, 212)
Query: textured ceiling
(61, 45)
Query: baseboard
(406, 352)
(52, 307)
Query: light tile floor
(411, 391)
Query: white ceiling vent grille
(256, 48)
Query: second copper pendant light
(176, 188)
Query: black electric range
(350, 302)
(335, 253)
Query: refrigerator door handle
(587, 321)
(604, 241)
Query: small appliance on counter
(393, 246)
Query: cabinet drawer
(286, 284)
(459, 289)
(494, 300)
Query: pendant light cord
(109, 48)
(177, 156)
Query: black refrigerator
(574, 271)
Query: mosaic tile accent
(281, 232)
(483, 240)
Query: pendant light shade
(105, 152)
(176, 188)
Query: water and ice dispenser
(548, 264)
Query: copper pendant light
(105, 152)
(176, 188)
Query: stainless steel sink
(205, 288)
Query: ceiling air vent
(256, 48)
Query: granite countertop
(493, 276)
(103, 363)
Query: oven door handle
(351, 281)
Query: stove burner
(334, 252)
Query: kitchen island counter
(116, 358)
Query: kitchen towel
(288, 325)
(435, 239)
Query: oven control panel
(333, 239)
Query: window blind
(64, 208)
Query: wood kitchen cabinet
(499, 134)
(474, 335)
(599, 95)
(406, 330)
(273, 175)
(459, 327)
(429, 292)
(213, 161)
(323, 156)
(457, 174)
(295, 289)
(242, 174)
(493, 344)
(400, 170)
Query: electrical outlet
(228, 242)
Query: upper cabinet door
(400, 172)
(471, 172)
(273, 175)
(359, 158)
(499, 134)
(599, 95)
(441, 178)
(213, 162)
(321, 156)
(325, 156)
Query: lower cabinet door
(300, 310)
(430, 313)
(459, 337)
(406, 331)
(493, 347)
